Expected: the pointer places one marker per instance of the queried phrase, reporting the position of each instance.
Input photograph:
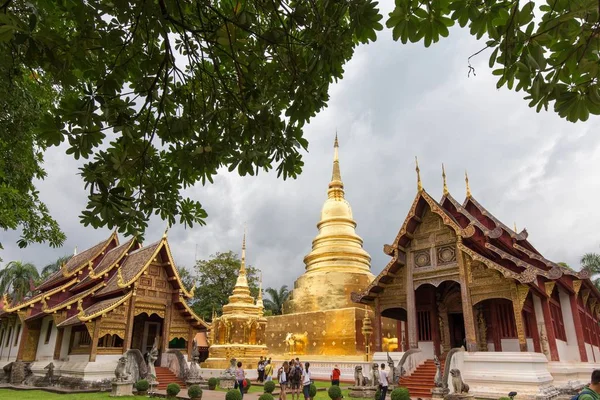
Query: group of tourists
(264, 369)
(291, 376)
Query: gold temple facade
(240, 331)
(320, 318)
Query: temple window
(48, 333)
(80, 340)
(109, 340)
(424, 322)
(17, 332)
(557, 321)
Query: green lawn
(321, 395)
(41, 394)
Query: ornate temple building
(458, 276)
(319, 318)
(240, 331)
(104, 301)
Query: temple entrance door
(457, 329)
(151, 333)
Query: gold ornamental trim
(22, 315)
(124, 253)
(549, 286)
(72, 299)
(193, 314)
(577, 286)
(79, 268)
(90, 328)
(149, 308)
(59, 317)
(111, 329)
(585, 295)
(38, 297)
(83, 318)
(521, 292)
(522, 277)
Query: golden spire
(467, 182)
(243, 263)
(446, 192)
(419, 184)
(336, 186)
(165, 233)
(75, 251)
(515, 226)
(259, 299)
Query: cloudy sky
(395, 102)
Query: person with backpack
(591, 392)
(268, 371)
(306, 381)
(294, 378)
(335, 376)
(282, 378)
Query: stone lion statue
(375, 375)
(121, 373)
(359, 378)
(457, 382)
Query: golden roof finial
(193, 289)
(467, 183)
(75, 251)
(80, 306)
(446, 192)
(515, 226)
(336, 176)
(243, 263)
(165, 233)
(120, 281)
(419, 183)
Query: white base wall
(79, 366)
(494, 375)
(567, 353)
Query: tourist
(240, 377)
(282, 378)
(591, 392)
(269, 371)
(261, 370)
(335, 376)
(383, 382)
(306, 381)
(294, 378)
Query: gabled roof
(136, 263)
(37, 298)
(71, 300)
(77, 263)
(95, 310)
(107, 263)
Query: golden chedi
(319, 318)
(240, 331)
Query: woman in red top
(335, 376)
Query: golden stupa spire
(259, 298)
(467, 183)
(336, 186)
(446, 192)
(243, 263)
(419, 183)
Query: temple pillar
(190, 340)
(569, 320)
(28, 344)
(166, 327)
(519, 294)
(411, 308)
(546, 327)
(433, 316)
(94, 346)
(129, 324)
(58, 344)
(377, 327)
(467, 305)
(578, 327)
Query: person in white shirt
(383, 382)
(306, 381)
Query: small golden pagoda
(240, 331)
(320, 318)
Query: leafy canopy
(274, 303)
(216, 279)
(550, 51)
(17, 279)
(157, 95)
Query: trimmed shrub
(266, 396)
(212, 383)
(269, 386)
(334, 392)
(400, 393)
(142, 385)
(233, 394)
(195, 392)
(378, 394)
(247, 387)
(173, 389)
(312, 392)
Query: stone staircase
(420, 382)
(164, 376)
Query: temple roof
(481, 235)
(95, 310)
(107, 263)
(36, 298)
(77, 263)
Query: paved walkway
(210, 395)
